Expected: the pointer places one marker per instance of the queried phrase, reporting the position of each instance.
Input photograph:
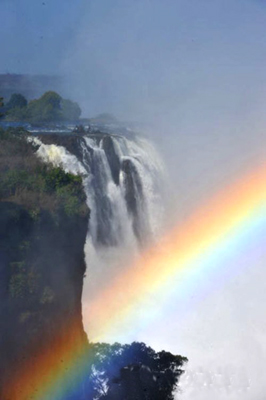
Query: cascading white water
(109, 222)
(58, 156)
(126, 210)
(123, 180)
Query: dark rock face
(112, 157)
(41, 273)
(134, 197)
(70, 142)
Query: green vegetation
(16, 108)
(134, 372)
(28, 181)
(70, 110)
(49, 108)
(25, 280)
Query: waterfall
(123, 180)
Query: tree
(70, 110)
(45, 109)
(17, 114)
(50, 107)
(16, 107)
(17, 101)
(134, 372)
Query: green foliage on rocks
(24, 281)
(27, 180)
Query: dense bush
(134, 372)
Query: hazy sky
(139, 58)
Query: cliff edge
(43, 227)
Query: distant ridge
(30, 86)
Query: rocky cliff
(43, 227)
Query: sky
(193, 72)
(142, 58)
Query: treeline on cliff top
(50, 107)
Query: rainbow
(221, 231)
